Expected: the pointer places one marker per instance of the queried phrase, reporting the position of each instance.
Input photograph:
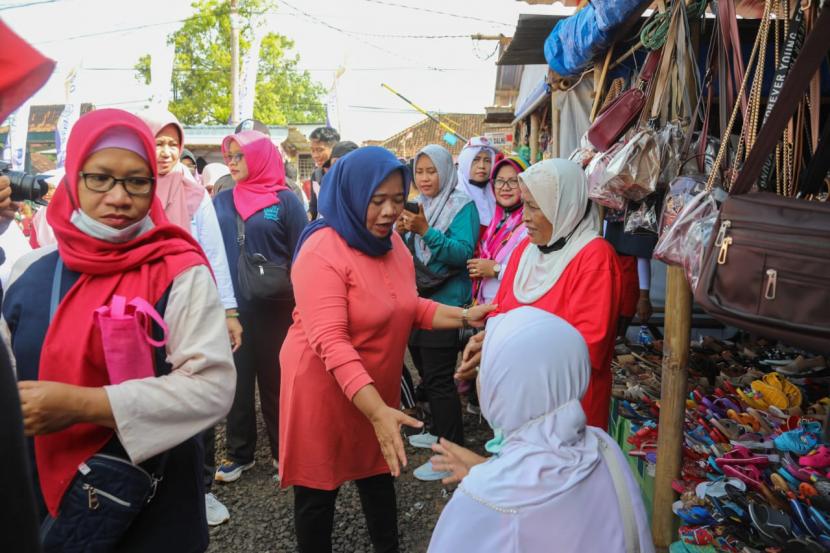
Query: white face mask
(96, 229)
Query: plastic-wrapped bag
(583, 156)
(670, 141)
(672, 247)
(598, 190)
(642, 218)
(694, 245)
(681, 191)
(634, 169)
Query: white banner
(18, 136)
(71, 112)
(250, 68)
(332, 109)
(161, 74)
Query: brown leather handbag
(610, 125)
(766, 270)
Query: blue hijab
(345, 194)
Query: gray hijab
(442, 209)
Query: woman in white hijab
(552, 469)
(474, 165)
(564, 267)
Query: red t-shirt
(587, 295)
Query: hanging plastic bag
(127, 339)
(598, 190)
(672, 247)
(694, 245)
(681, 191)
(634, 169)
(670, 142)
(641, 218)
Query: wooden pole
(672, 404)
(534, 136)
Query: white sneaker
(217, 513)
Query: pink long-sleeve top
(353, 319)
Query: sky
(362, 36)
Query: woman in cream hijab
(552, 469)
(563, 267)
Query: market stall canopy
(533, 90)
(527, 46)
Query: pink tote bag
(126, 333)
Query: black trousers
(314, 515)
(435, 354)
(209, 443)
(257, 362)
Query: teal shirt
(451, 250)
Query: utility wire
(427, 10)
(5, 7)
(114, 31)
(343, 31)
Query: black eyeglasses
(236, 158)
(510, 184)
(135, 186)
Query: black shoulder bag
(259, 279)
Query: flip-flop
(802, 516)
(820, 519)
(742, 456)
(772, 396)
(819, 459)
(790, 390)
(717, 488)
(772, 524)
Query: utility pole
(234, 61)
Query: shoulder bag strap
(814, 51)
(630, 529)
(55, 297)
(240, 230)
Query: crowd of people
(164, 292)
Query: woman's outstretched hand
(477, 315)
(453, 458)
(471, 358)
(387, 423)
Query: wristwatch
(497, 269)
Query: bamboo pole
(554, 122)
(672, 404)
(534, 136)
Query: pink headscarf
(178, 191)
(266, 173)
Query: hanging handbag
(633, 171)
(259, 279)
(766, 270)
(610, 125)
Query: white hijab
(442, 209)
(549, 488)
(547, 449)
(484, 198)
(560, 190)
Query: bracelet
(231, 315)
(465, 321)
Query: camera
(24, 186)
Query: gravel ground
(262, 517)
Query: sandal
(818, 459)
(791, 391)
(771, 395)
(772, 524)
(799, 441)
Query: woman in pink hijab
(272, 219)
(188, 205)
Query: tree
(201, 74)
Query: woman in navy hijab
(354, 283)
